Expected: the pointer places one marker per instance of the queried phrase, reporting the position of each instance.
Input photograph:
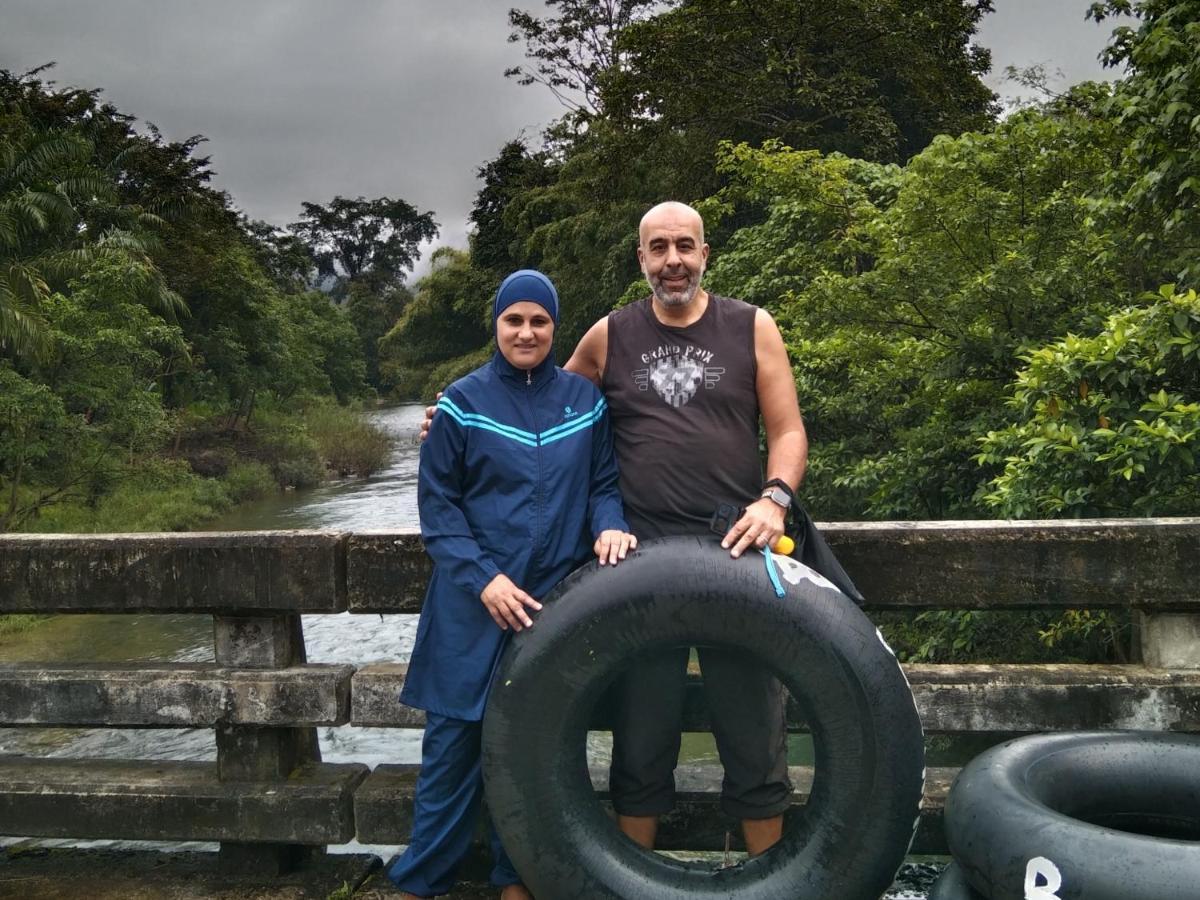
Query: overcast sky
(306, 99)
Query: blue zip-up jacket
(517, 476)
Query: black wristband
(782, 485)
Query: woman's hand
(506, 603)
(612, 545)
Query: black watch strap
(781, 484)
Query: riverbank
(207, 469)
(208, 473)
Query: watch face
(778, 495)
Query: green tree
(448, 318)
(360, 238)
(323, 352)
(236, 326)
(64, 205)
(1107, 424)
(45, 176)
(372, 312)
(366, 246)
(108, 356)
(108, 233)
(32, 423)
(495, 243)
(35, 208)
(571, 52)
(90, 407)
(906, 295)
(1158, 185)
(670, 81)
(870, 79)
(286, 258)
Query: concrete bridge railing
(269, 799)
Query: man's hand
(760, 526)
(430, 412)
(506, 603)
(612, 546)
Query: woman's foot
(515, 892)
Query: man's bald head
(670, 212)
(672, 253)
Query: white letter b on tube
(1051, 879)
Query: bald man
(687, 375)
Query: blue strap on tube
(773, 573)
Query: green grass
(281, 440)
(349, 444)
(17, 623)
(164, 495)
(249, 480)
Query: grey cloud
(303, 100)
(1053, 33)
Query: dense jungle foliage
(160, 357)
(989, 315)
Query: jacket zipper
(538, 482)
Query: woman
(517, 479)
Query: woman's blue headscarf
(526, 284)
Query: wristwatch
(778, 492)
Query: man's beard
(676, 298)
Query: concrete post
(255, 753)
(1171, 640)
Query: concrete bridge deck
(273, 805)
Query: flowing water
(387, 500)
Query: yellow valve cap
(784, 545)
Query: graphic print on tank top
(676, 372)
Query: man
(686, 375)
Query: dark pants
(449, 789)
(746, 704)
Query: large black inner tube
(869, 749)
(1109, 815)
(952, 884)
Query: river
(386, 500)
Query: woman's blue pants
(446, 808)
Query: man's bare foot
(762, 834)
(515, 892)
(642, 830)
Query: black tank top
(685, 414)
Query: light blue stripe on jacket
(476, 420)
